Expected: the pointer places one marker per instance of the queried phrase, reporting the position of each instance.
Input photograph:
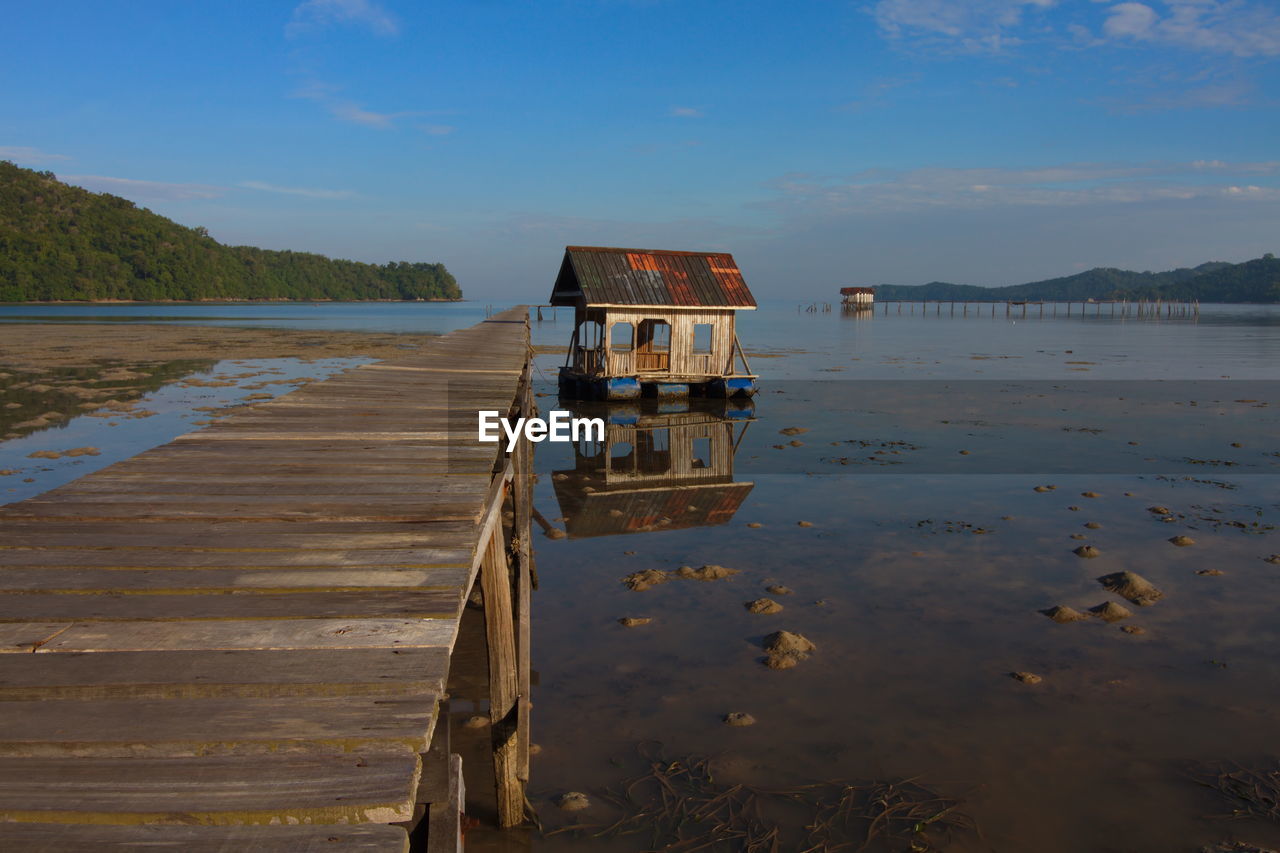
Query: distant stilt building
(858, 297)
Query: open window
(701, 453)
(621, 337)
(655, 336)
(702, 338)
(654, 450)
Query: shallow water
(923, 572)
(922, 577)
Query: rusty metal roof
(642, 510)
(597, 275)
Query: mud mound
(1111, 612)
(739, 719)
(1132, 586)
(763, 606)
(642, 580)
(634, 621)
(1063, 614)
(706, 573)
(786, 649)
(1087, 552)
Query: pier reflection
(661, 466)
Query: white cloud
(300, 191)
(965, 25)
(1132, 20)
(1242, 28)
(26, 154)
(1237, 27)
(317, 14)
(151, 190)
(686, 112)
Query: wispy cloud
(970, 26)
(26, 154)
(957, 189)
(318, 14)
(1244, 28)
(150, 190)
(876, 91)
(686, 112)
(348, 110)
(437, 129)
(305, 192)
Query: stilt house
(653, 323)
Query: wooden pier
(240, 640)
(1146, 309)
(1150, 309)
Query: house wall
(682, 360)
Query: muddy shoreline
(36, 346)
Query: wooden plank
(188, 579)
(238, 604)
(175, 674)
(444, 828)
(60, 837)
(209, 790)
(229, 634)
(227, 725)
(249, 560)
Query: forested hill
(64, 243)
(1252, 281)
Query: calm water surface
(921, 577)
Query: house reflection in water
(660, 467)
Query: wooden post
(495, 581)
(522, 499)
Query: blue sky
(823, 143)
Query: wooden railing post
(507, 591)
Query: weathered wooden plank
(209, 790)
(249, 560)
(217, 508)
(202, 673)
(246, 536)
(228, 634)
(237, 604)
(420, 489)
(61, 837)
(444, 828)
(189, 579)
(236, 725)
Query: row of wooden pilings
(1113, 308)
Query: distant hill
(64, 243)
(1252, 281)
